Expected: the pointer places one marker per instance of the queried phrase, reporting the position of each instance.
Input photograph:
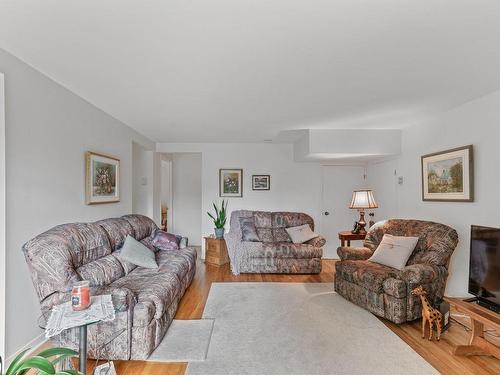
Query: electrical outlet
(400, 180)
(144, 181)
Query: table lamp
(362, 200)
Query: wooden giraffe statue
(429, 314)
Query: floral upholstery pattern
(386, 291)
(145, 300)
(143, 226)
(274, 253)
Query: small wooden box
(216, 251)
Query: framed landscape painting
(102, 178)
(261, 182)
(231, 183)
(448, 175)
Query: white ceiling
(244, 70)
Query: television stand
(479, 317)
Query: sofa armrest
(354, 253)
(317, 241)
(123, 298)
(418, 274)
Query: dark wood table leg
(342, 242)
(348, 243)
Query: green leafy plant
(220, 215)
(42, 363)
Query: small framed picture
(231, 183)
(448, 175)
(261, 182)
(102, 178)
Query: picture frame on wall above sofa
(261, 182)
(102, 178)
(448, 176)
(231, 183)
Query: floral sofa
(274, 252)
(145, 299)
(385, 291)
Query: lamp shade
(363, 199)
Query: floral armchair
(386, 291)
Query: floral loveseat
(145, 299)
(386, 291)
(274, 252)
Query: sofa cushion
(248, 229)
(287, 250)
(117, 230)
(436, 241)
(101, 271)
(143, 225)
(366, 274)
(172, 262)
(151, 287)
(291, 219)
(281, 235)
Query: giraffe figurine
(429, 314)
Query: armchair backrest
(271, 225)
(435, 245)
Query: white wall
(476, 122)
(142, 180)
(48, 129)
(186, 196)
(294, 186)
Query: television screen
(484, 267)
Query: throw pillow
(248, 229)
(183, 242)
(136, 253)
(301, 234)
(394, 251)
(166, 241)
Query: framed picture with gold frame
(448, 176)
(231, 183)
(102, 178)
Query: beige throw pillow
(301, 234)
(394, 251)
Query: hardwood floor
(436, 353)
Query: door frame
(362, 167)
(2, 222)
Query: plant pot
(219, 232)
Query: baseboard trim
(33, 347)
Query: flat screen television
(484, 266)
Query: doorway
(181, 193)
(338, 185)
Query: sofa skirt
(282, 265)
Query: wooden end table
(479, 316)
(348, 236)
(216, 251)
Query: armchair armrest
(354, 253)
(417, 274)
(317, 241)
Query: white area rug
(295, 328)
(185, 341)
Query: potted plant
(41, 362)
(219, 219)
